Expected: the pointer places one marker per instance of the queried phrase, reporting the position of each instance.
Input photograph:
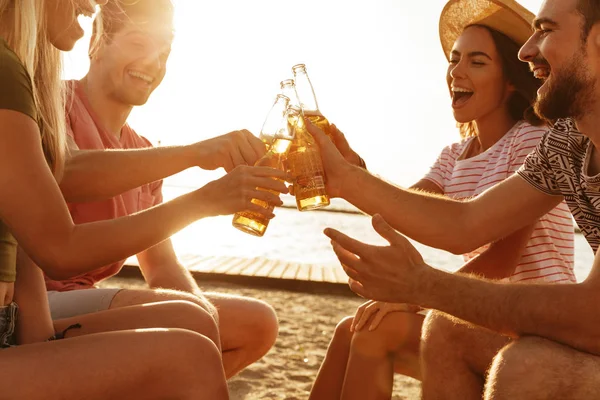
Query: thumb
(317, 133)
(338, 138)
(385, 230)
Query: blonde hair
(28, 38)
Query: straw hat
(506, 16)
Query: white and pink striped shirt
(548, 256)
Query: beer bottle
(253, 222)
(305, 165)
(307, 98)
(274, 120)
(288, 89)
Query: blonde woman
(176, 363)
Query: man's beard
(569, 94)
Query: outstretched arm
(35, 212)
(397, 273)
(92, 175)
(434, 220)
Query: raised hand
(229, 150)
(335, 165)
(391, 273)
(375, 311)
(234, 192)
(340, 141)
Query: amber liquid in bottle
(252, 222)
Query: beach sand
(306, 323)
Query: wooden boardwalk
(261, 272)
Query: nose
(457, 70)
(529, 50)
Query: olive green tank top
(16, 93)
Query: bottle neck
(305, 92)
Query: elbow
(54, 267)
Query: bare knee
(187, 364)
(522, 369)
(265, 327)
(396, 332)
(342, 333)
(438, 334)
(194, 318)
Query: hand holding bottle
(228, 151)
(336, 167)
(234, 192)
(340, 141)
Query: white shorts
(77, 302)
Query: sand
(306, 325)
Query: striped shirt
(549, 253)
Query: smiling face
(131, 62)
(475, 76)
(558, 54)
(61, 19)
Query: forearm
(176, 277)
(99, 174)
(431, 219)
(89, 246)
(34, 323)
(563, 313)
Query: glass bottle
(288, 88)
(305, 165)
(252, 222)
(274, 120)
(307, 98)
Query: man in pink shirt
(127, 64)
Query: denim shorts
(8, 320)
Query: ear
(594, 38)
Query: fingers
(370, 310)
(266, 196)
(382, 312)
(259, 209)
(257, 145)
(250, 147)
(358, 288)
(386, 231)
(359, 311)
(236, 156)
(317, 133)
(352, 245)
(350, 262)
(268, 184)
(269, 172)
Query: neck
(112, 113)
(493, 127)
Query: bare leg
(376, 355)
(248, 327)
(167, 364)
(361, 365)
(167, 314)
(330, 378)
(535, 368)
(455, 358)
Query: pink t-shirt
(87, 131)
(548, 255)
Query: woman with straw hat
(492, 95)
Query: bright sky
(376, 65)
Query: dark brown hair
(520, 103)
(590, 11)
